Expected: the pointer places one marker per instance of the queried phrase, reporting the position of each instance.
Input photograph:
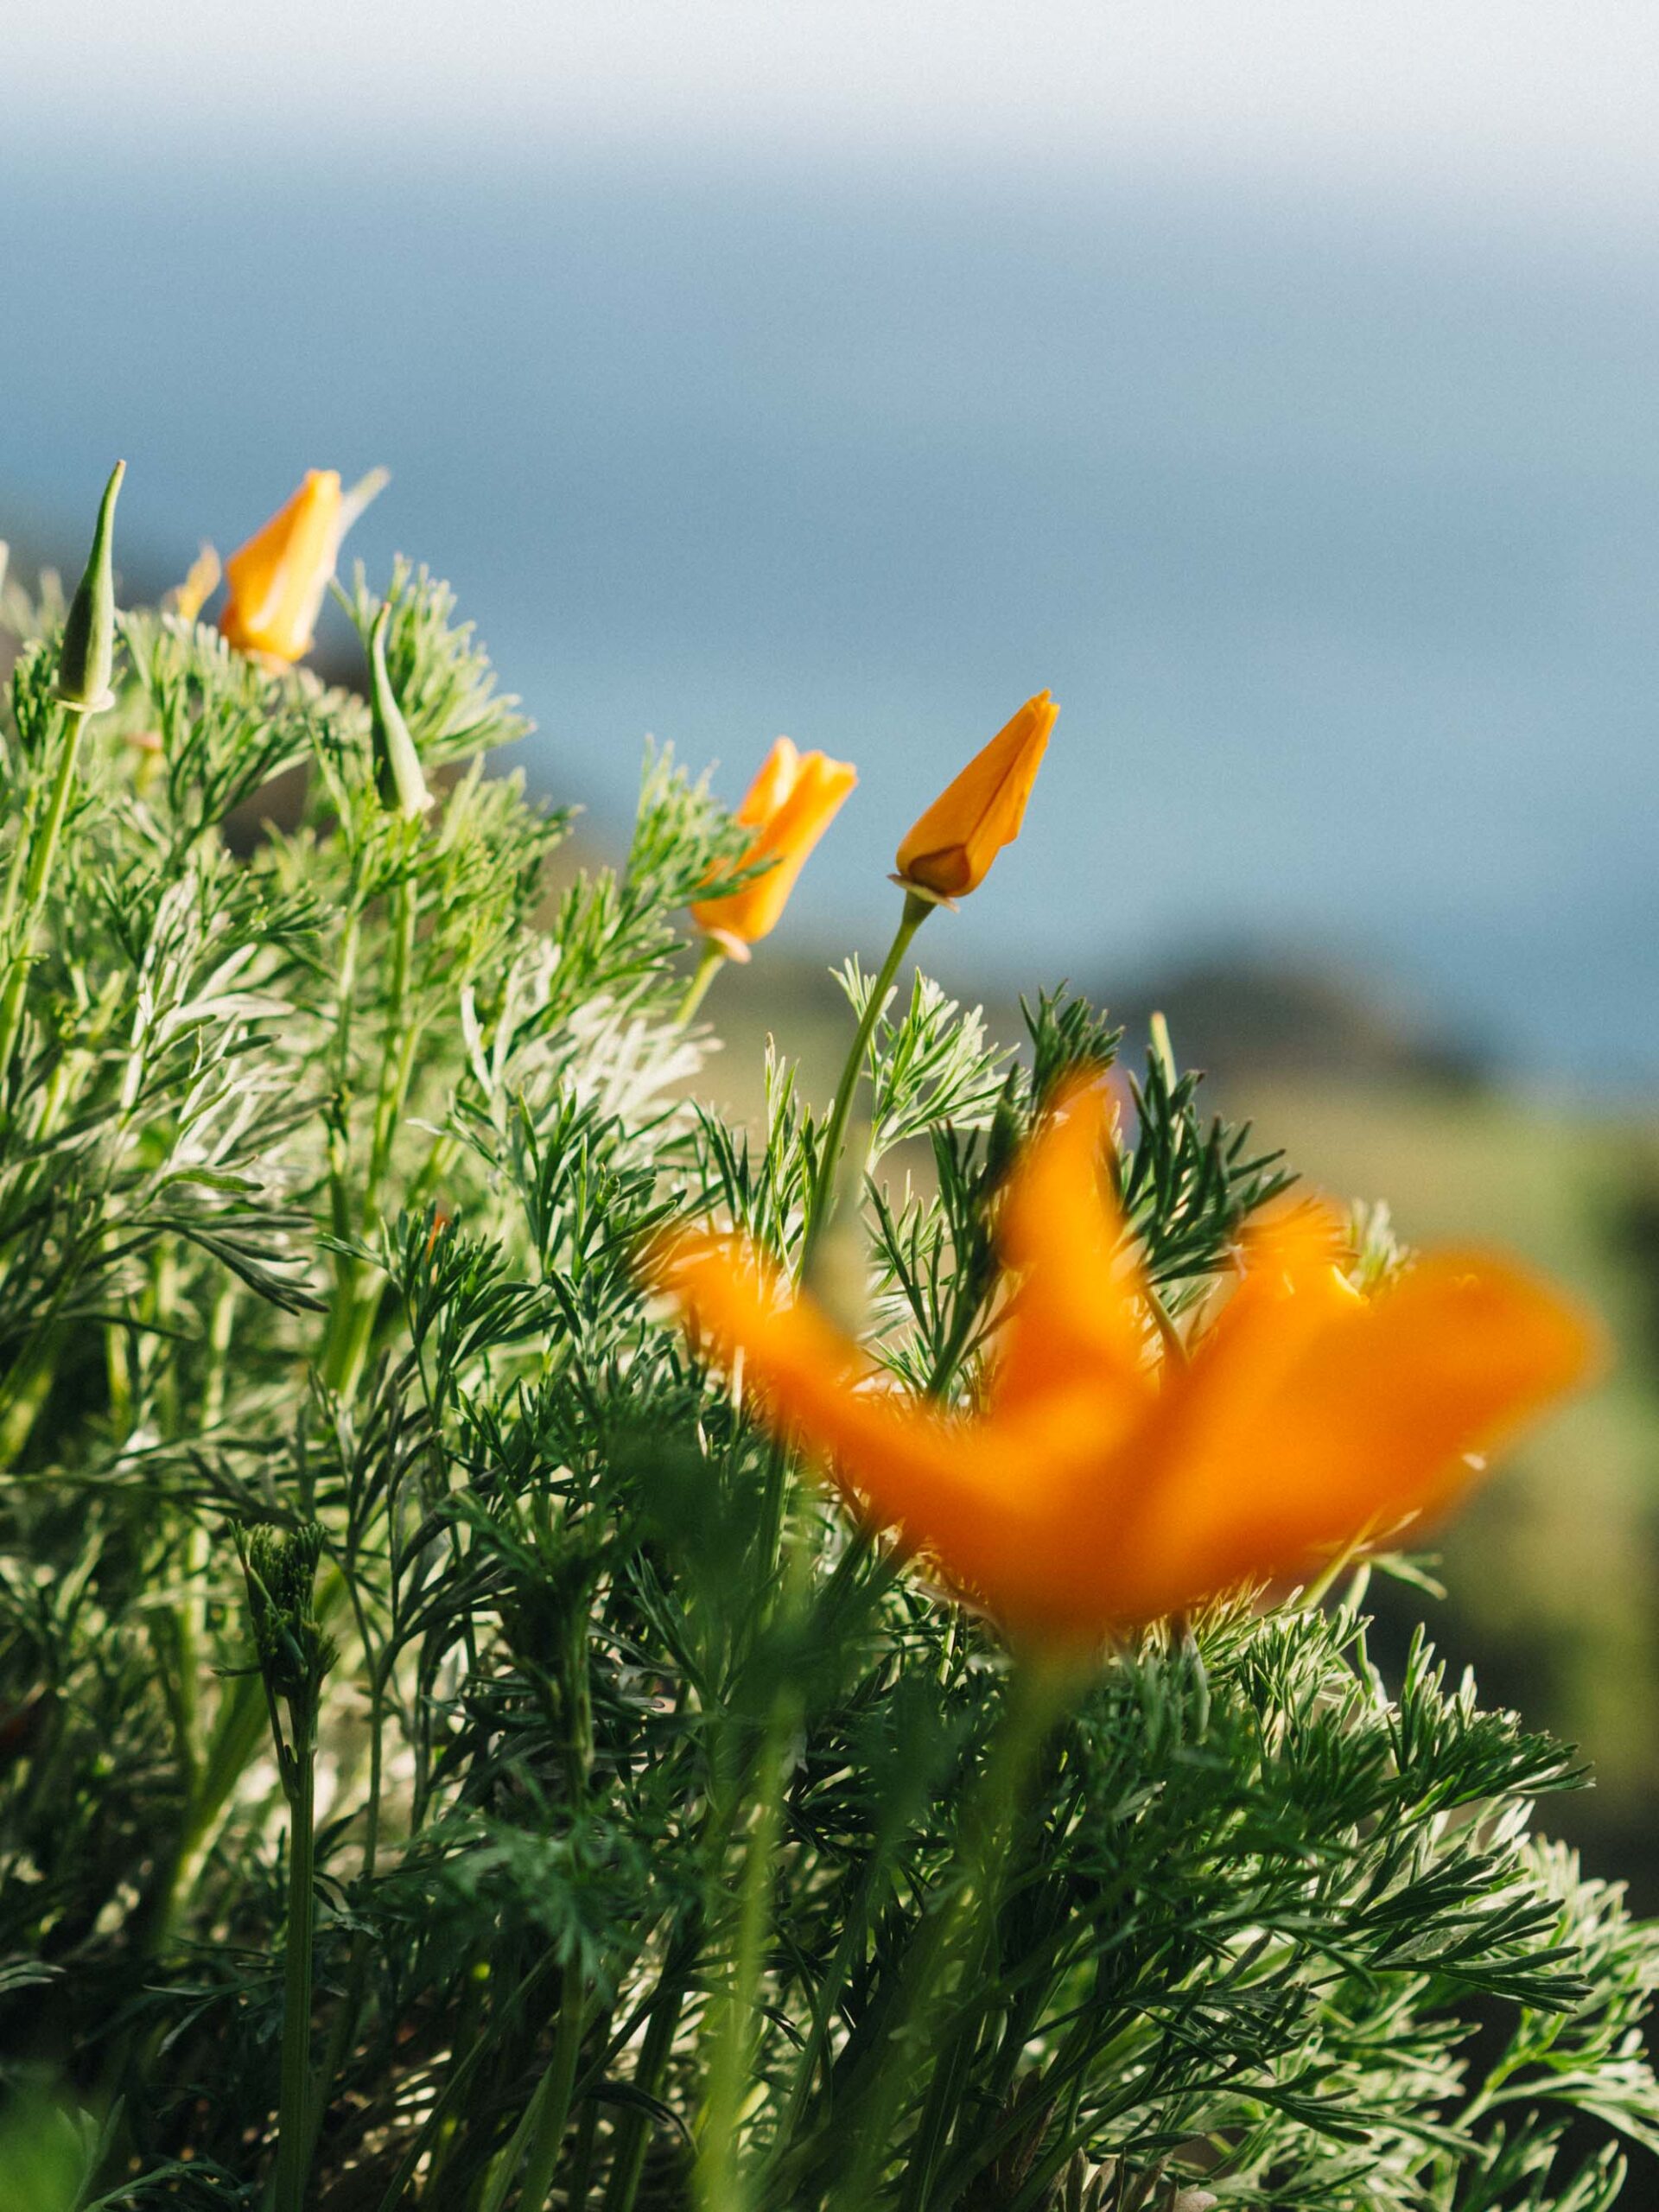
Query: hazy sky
(1536, 100)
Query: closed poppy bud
(397, 765)
(951, 849)
(88, 656)
(277, 579)
(789, 807)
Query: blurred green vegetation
(1551, 1572)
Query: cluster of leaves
(675, 1843)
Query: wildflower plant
(455, 1749)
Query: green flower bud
(280, 1569)
(88, 655)
(397, 775)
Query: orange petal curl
(789, 807)
(1098, 1489)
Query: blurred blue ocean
(1336, 537)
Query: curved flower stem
(820, 1200)
(706, 968)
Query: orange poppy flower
(1101, 1486)
(951, 849)
(278, 578)
(789, 807)
(202, 581)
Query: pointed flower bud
(397, 775)
(88, 656)
(278, 578)
(951, 849)
(789, 807)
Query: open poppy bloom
(1103, 1486)
(278, 578)
(789, 807)
(951, 849)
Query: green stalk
(439, 2128)
(398, 1056)
(292, 2113)
(42, 853)
(25, 1390)
(20, 858)
(338, 1141)
(706, 968)
(949, 1939)
(539, 2134)
(343, 2032)
(438, 1162)
(822, 1199)
(815, 2055)
(294, 1656)
(355, 1309)
(345, 1002)
(582, 2158)
(633, 2130)
(716, 2182)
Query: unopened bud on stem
(397, 765)
(88, 656)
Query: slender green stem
(25, 1390)
(1169, 1335)
(19, 861)
(294, 2109)
(540, 2134)
(707, 968)
(813, 2060)
(438, 1162)
(719, 2184)
(43, 851)
(220, 1319)
(948, 1940)
(822, 1199)
(356, 1307)
(580, 2179)
(343, 2031)
(338, 1140)
(718, 2179)
(397, 1058)
(633, 2130)
(439, 2128)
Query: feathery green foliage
(437, 1729)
